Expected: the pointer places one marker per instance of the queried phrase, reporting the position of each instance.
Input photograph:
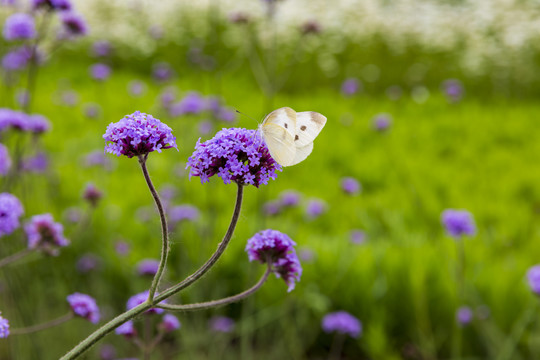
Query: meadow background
(479, 153)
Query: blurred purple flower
(234, 154)
(38, 124)
(168, 192)
(311, 27)
(290, 198)
(138, 134)
(17, 59)
(69, 98)
(464, 315)
(4, 327)
(147, 267)
(74, 24)
(92, 194)
(92, 110)
(37, 163)
(156, 31)
(183, 212)
(453, 90)
(458, 223)
(45, 234)
(239, 18)
(272, 207)
(315, 208)
(136, 88)
(122, 248)
(52, 4)
(126, 329)
(381, 122)
(11, 210)
(227, 115)
(162, 72)
(278, 249)
(138, 299)
(84, 306)
(101, 48)
(350, 185)
(5, 160)
(87, 263)
(22, 97)
(97, 158)
(73, 215)
(169, 323)
(192, 103)
(100, 72)
(206, 127)
(107, 352)
(357, 236)
(306, 255)
(19, 26)
(342, 322)
(533, 278)
(222, 324)
(167, 97)
(351, 86)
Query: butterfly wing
(280, 143)
(284, 117)
(302, 153)
(308, 126)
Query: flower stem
(214, 258)
(165, 247)
(14, 257)
(220, 302)
(337, 346)
(43, 326)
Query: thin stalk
(147, 330)
(14, 257)
(165, 247)
(337, 346)
(220, 302)
(214, 258)
(49, 324)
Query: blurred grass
(479, 155)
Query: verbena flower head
(10, 211)
(126, 329)
(192, 103)
(45, 234)
(138, 299)
(290, 198)
(38, 124)
(342, 322)
(276, 248)
(4, 327)
(183, 213)
(101, 48)
(19, 26)
(74, 24)
(222, 324)
(351, 86)
(464, 315)
(138, 134)
(52, 4)
(458, 223)
(533, 278)
(100, 72)
(87, 263)
(350, 185)
(381, 122)
(170, 323)
(5, 160)
(92, 194)
(357, 236)
(17, 59)
(147, 267)
(315, 208)
(37, 163)
(235, 155)
(84, 306)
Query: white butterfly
(289, 135)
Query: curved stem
(164, 231)
(43, 326)
(14, 257)
(220, 302)
(215, 257)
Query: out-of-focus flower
(221, 324)
(381, 122)
(464, 315)
(74, 24)
(162, 72)
(272, 207)
(17, 59)
(170, 323)
(92, 194)
(458, 223)
(342, 322)
(306, 255)
(45, 234)
(315, 208)
(69, 98)
(235, 154)
(192, 103)
(87, 263)
(73, 215)
(350, 185)
(357, 236)
(147, 267)
(122, 248)
(97, 158)
(533, 278)
(453, 90)
(136, 88)
(156, 31)
(11, 210)
(100, 72)
(19, 26)
(183, 213)
(52, 4)
(290, 198)
(37, 163)
(138, 299)
(276, 248)
(38, 124)
(138, 134)
(101, 48)
(126, 329)
(311, 27)
(394, 92)
(22, 97)
(206, 127)
(167, 97)
(239, 18)
(5, 160)
(351, 86)
(107, 352)
(92, 110)
(84, 306)
(4, 327)
(226, 114)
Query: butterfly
(289, 134)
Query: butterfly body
(289, 135)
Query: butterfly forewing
(308, 125)
(280, 143)
(284, 117)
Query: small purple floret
(84, 306)
(10, 211)
(138, 134)
(127, 329)
(458, 223)
(342, 322)
(4, 327)
(138, 299)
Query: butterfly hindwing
(308, 126)
(302, 153)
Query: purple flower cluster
(342, 322)
(92, 194)
(138, 134)
(222, 324)
(126, 329)
(74, 24)
(10, 212)
(192, 103)
(235, 154)
(183, 212)
(138, 299)
(52, 4)
(17, 59)
(147, 267)
(4, 327)
(276, 248)
(84, 306)
(43, 233)
(350, 185)
(381, 122)
(170, 323)
(533, 278)
(100, 72)
(458, 223)
(17, 120)
(464, 315)
(19, 26)
(5, 160)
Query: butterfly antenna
(258, 123)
